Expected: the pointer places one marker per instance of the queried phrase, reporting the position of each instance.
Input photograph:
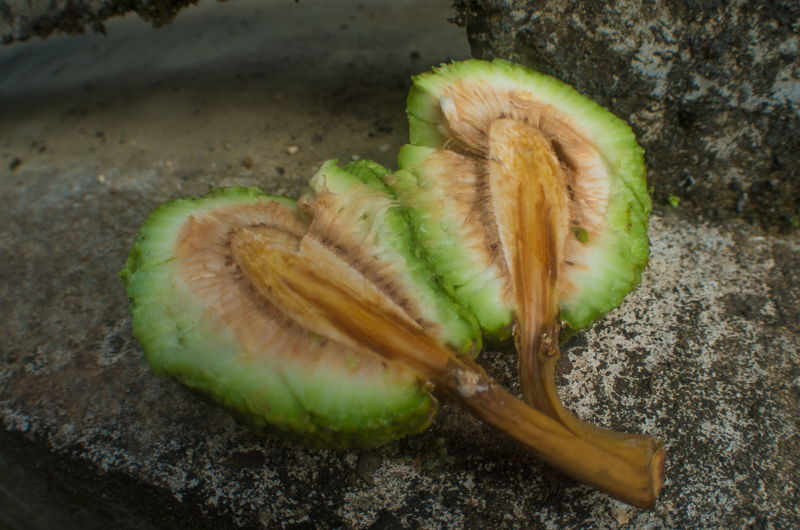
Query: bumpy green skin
(323, 406)
(444, 242)
(376, 216)
(618, 261)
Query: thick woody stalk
(323, 294)
(531, 198)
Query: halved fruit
(549, 196)
(201, 321)
(546, 192)
(454, 153)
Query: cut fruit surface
(451, 111)
(542, 188)
(198, 316)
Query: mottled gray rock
(705, 354)
(23, 19)
(711, 88)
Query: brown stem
(540, 376)
(324, 295)
(629, 474)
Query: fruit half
(541, 194)
(482, 130)
(201, 321)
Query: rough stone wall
(23, 19)
(711, 88)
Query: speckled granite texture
(99, 130)
(711, 88)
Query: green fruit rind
(446, 244)
(376, 217)
(619, 257)
(325, 404)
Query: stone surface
(23, 19)
(98, 131)
(711, 88)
